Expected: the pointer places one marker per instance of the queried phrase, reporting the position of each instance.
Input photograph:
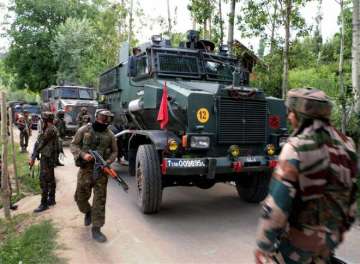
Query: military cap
(49, 116)
(310, 102)
(104, 112)
(83, 108)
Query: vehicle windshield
(68, 93)
(86, 94)
(32, 109)
(218, 70)
(76, 93)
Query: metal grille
(242, 121)
(178, 64)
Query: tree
(73, 48)
(287, 8)
(30, 57)
(341, 66)
(356, 56)
(231, 25)
(201, 11)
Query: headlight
(200, 142)
(172, 145)
(270, 150)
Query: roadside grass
(29, 184)
(22, 241)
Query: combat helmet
(309, 103)
(60, 113)
(47, 116)
(104, 112)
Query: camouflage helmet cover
(83, 109)
(49, 116)
(104, 112)
(310, 102)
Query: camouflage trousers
(85, 184)
(47, 180)
(24, 139)
(289, 254)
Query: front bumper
(218, 165)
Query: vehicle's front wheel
(253, 187)
(148, 179)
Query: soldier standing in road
(79, 118)
(311, 201)
(24, 125)
(46, 147)
(93, 136)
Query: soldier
(93, 136)
(60, 126)
(79, 118)
(311, 201)
(24, 125)
(86, 119)
(46, 148)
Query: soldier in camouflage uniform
(311, 201)
(45, 148)
(79, 118)
(24, 125)
(93, 136)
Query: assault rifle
(102, 165)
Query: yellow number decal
(202, 115)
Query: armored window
(86, 94)
(178, 64)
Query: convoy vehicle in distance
(70, 99)
(219, 129)
(34, 113)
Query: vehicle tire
(148, 179)
(205, 184)
(131, 158)
(253, 188)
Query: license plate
(185, 163)
(250, 159)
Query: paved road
(193, 226)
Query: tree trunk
(5, 190)
(130, 22)
(204, 29)
(193, 23)
(273, 25)
(231, 26)
(169, 19)
(341, 72)
(221, 25)
(318, 30)
(285, 77)
(356, 55)
(209, 28)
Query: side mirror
(132, 71)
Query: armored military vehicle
(186, 116)
(70, 99)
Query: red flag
(163, 115)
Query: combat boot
(51, 201)
(42, 207)
(97, 235)
(87, 219)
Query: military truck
(219, 129)
(70, 99)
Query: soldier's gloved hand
(87, 157)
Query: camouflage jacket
(311, 200)
(79, 119)
(86, 138)
(24, 124)
(47, 143)
(60, 126)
